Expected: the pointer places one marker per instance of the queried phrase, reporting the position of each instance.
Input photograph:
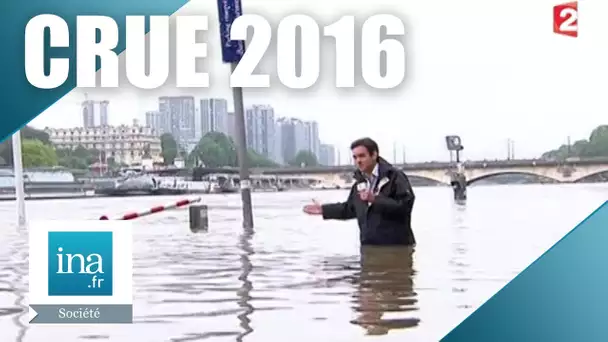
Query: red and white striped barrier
(134, 215)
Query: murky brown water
(299, 278)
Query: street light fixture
(457, 178)
(454, 143)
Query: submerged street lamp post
(232, 52)
(458, 179)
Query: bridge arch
(418, 180)
(425, 177)
(500, 173)
(591, 174)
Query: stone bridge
(563, 173)
(568, 171)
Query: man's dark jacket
(387, 221)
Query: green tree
(32, 133)
(78, 158)
(212, 154)
(305, 158)
(595, 146)
(72, 162)
(89, 156)
(169, 149)
(35, 153)
(258, 160)
(598, 143)
(6, 146)
(216, 149)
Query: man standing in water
(381, 200)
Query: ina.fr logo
(565, 19)
(80, 264)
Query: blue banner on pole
(232, 50)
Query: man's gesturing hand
(314, 208)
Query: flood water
(298, 278)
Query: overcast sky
(486, 70)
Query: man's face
(364, 160)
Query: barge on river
(133, 183)
(44, 184)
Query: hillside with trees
(595, 146)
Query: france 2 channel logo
(80, 263)
(565, 19)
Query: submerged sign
(80, 272)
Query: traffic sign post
(232, 52)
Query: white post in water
(19, 186)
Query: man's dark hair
(370, 145)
